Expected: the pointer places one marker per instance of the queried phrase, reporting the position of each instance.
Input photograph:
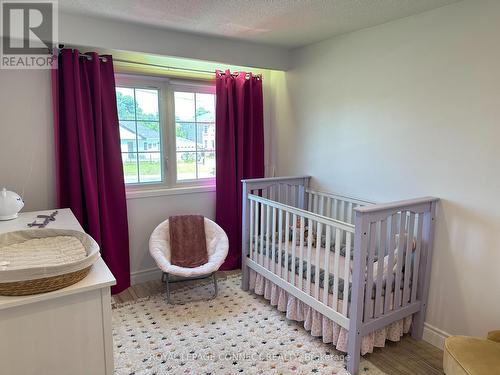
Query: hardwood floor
(407, 357)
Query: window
(194, 135)
(167, 131)
(139, 119)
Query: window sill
(148, 193)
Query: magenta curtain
(239, 150)
(88, 159)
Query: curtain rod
(103, 58)
(235, 74)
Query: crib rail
(335, 206)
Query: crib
(361, 265)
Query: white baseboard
(434, 336)
(138, 277)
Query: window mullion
(169, 152)
(136, 140)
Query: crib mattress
(265, 259)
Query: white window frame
(166, 88)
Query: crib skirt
(318, 324)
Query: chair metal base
(165, 279)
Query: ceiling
(284, 23)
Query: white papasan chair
(217, 248)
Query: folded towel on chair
(188, 246)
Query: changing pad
(40, 252)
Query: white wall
(112, 34)
(406, 109)
(144, 214)
(26, 137)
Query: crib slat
(251, 238)
(273, 243)
(349, 212)
(256, 232)
(256, 229)
(416, 264)
(342, 211)
(347, 273)
(409, 250)
(301, 251)
(399, 264)
(329, 207)
(321, 204)
(267, 236)
(336, 261)
(287, 240)
(294, 246)
(328, 241)
(380, 269)
(390, 267)
(310, 202)
(317, 260)
(262, 239)
(369, 273)
(335, 210)
(280, 240)
(309, 248)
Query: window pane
(148, 136)
(130, 167)
(184, 106)
(186, 165)
(150, 167)
(125, 103)
(147, 104)
(128, 141)
(205, 108)
(185, 136)
(206, 164)
(206, 137)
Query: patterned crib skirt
(318, 324)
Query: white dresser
(65, 332)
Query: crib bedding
(266, 260)
(318, 324)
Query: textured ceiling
(288, 23)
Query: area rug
(237, 332)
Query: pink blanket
(188, 246)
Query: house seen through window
(167, 133)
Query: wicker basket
(43, 285)
(42, 279)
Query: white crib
(290, 231)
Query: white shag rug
(238, 332)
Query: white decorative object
(217, 248)
(67, 331)
(10, 204)
(38, 253)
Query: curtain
(88, 158)
(239, 150)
